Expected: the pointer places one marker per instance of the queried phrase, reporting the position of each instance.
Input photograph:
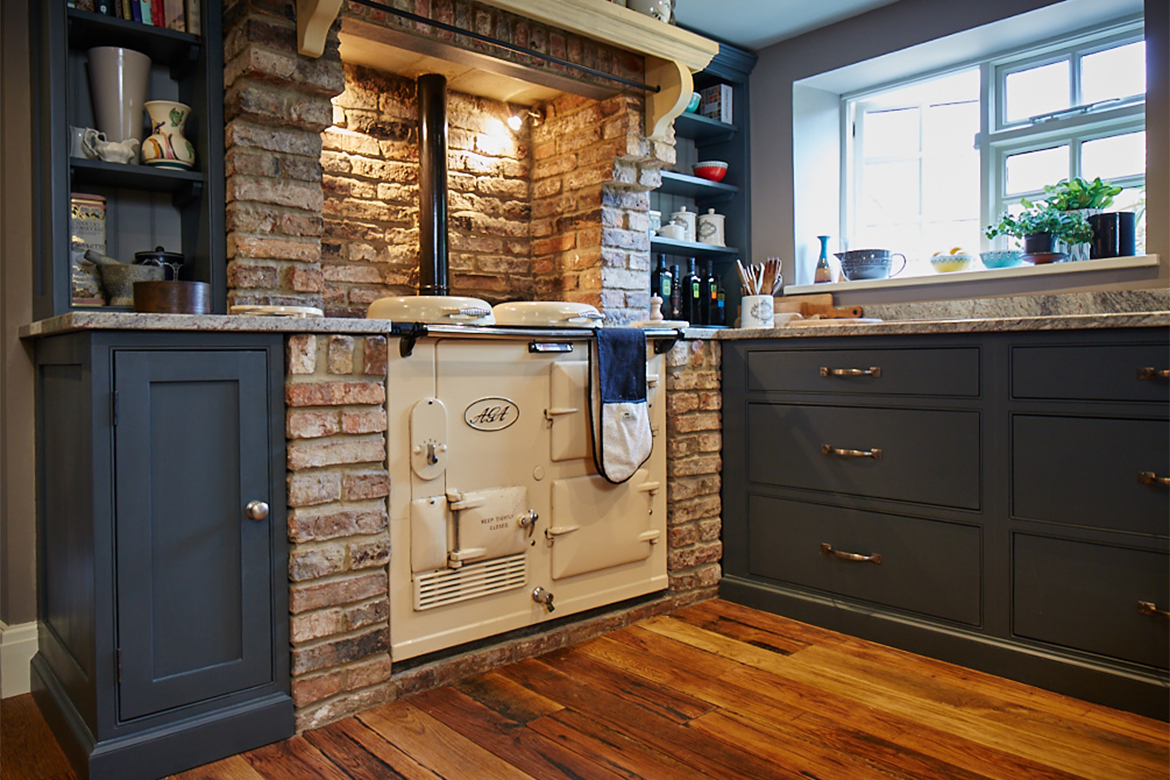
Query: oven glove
(619, 413)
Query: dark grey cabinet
(992, 499)
(163, 560)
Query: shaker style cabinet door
(194, 589)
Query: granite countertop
(1072, 311)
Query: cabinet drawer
(929, 457)
(1085, 471)
(1090, 373)
(927, 567)
(1085, 596)
(933, 371)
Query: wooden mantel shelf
(672, 54)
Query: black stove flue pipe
(433, 278)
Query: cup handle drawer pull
(1148, 372)
(1151, 609)
(828, 449)
(848, 556)
(874, 371)
(1150, 478)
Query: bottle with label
(676, 294)
(710, 294)
(693, 295)
(720, 317)
(823, 272)
(661, 281)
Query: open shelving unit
(702, 138)
(145, 207)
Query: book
(87, 230)
(715, 103)
(175, 15)
(156, 13)
(126, 10)
(144, 12)
(194, 19)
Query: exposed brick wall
(276, 103)
(338, 524)
(370, 162)
(694, 464)
(591, 175)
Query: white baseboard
(18, 644)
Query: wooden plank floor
(713, 690)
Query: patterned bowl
(948, 263)
(1001, 258)
(712, 170)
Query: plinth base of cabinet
(1084, 677)
(152, 753)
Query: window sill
(1059, 273)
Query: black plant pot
(1113, 234)
(1038, 244)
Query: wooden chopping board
(818, 303)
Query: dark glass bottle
(720, 317)
(662, 284)
(693, 295)
(710, 295)
(676, 294)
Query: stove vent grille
(450, 586)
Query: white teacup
(756, 311)
(82, 142)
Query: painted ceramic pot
(167, 147)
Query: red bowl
(712, 170)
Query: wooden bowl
(172, 297)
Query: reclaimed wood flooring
(714, 690)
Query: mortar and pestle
(144, 287)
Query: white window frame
(998, 139)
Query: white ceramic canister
(686, 220)
(711, 228)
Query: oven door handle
(558, 530)
(553, 412)
(650, 487)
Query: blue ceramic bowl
(1001, 258)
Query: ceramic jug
(124, 152)
(166, 147)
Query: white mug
(82, 142)
(756, 311)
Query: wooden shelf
(701, 190)
(672, 246)
(133, 177)
(701, 128)
(179, 50)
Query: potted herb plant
(1087, 198)
(1039, 225)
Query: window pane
(891, 191)
(1037, 91)
(1030, 171)
(1115, 157)
(1114, 73)
(891, 133)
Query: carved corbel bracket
(314, 18)
(675, 86)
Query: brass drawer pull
(1150, 478)
(1149, 372)
(874, 371)
(1151, 609)
(828, 449)
(847, 556)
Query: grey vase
(117, 81)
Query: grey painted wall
(889, 29)
(17, 506)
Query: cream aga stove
(498, 517)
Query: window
(932, 161)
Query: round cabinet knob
(257, 510)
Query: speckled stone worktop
(1073, 311)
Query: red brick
(334, 393)
(304, 597)
(330, 522)
(366, 485)
(300, 424)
